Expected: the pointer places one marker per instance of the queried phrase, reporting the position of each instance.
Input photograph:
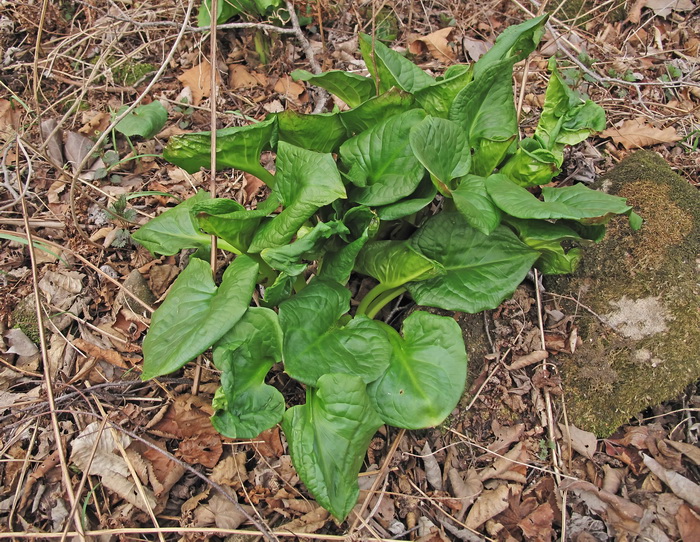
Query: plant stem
(371, 296)
(381, 300)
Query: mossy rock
(642, 345)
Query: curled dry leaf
(529, 359)
(688, 522)
(432, 467)
(636, 133)
(584, 442)
(491, 503)
(308, 523)
(691, 451)
(511, 466)
(684, 488)
(198, 78)
(437, 43)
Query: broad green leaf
(376, 110)
(532, 165)
(237, 147)
(315, 342)
(280, 290)
(486, 111)
(339, 260)
(328, 438)
(352, 88)
(546, 238)
(436, 99)
(440, 145)
(426, 375)
(380, 162)
(575, 202)
(566, 119)
(225, 9)
(422, 197)
(230, 221)
(306, 181)
(145, 120)
(394, 263)
(196, 314)
(323, 132)
(513, 44)
(480, 270)
(391, 69)
(245, 405)
(174, 230)
(476, 206)
(288, 258)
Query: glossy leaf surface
(426, 375)
(245, 405)
(237, 147)
(174, 230)
(145, 120)
(328, 438)
(476, 206)
(352, 88)
(306, 180)
(196, 314)
(480, 270)
(316, 342)
(381, 163)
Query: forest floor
(500, 466)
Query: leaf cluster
(423, 185)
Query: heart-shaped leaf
(306, 180)
(316, 343)
(196, 314)
(245, 405)
(426, 375)
(380, 161)
(394, 263)
(328, 438)
(376, 110)
(480, 270)
(442, 148)
(322, 132)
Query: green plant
(421, 185)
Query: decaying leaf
(661, 8)
(684, 488)
(198, 78)
(637, 133)
(510, 466)
(491, 503)
(108, 464)
(308, 523)
(584, 442)
(432, 467)
(689, 450)
(437, 43)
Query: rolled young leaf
(245, 405)
(196, 314)
(328, 438)
(426, 375)
(392, 69)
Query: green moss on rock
(644, 287)
(24, 318)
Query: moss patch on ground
(645, 347)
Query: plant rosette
(421, 185)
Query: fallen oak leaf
(636, 133)
(198, 78)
